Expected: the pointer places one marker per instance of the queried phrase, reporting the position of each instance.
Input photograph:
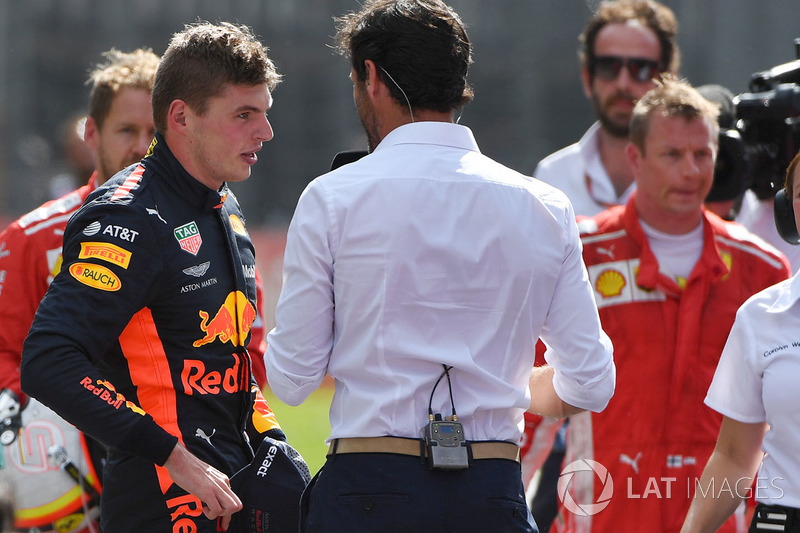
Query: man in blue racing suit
(140, 340)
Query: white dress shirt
(756, 381)
(425, 253)
(578, 171)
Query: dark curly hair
(649, 13)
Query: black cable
(449, 386)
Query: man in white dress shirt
(420, 277)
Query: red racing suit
(30, 257)
(140, 340)
(654, 438)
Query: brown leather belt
(415, 447)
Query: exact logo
(585, 509)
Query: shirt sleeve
(300, 345)
(577, 347)
(103, 283)
(735, 390)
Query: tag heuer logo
(189, 237)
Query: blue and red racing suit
(140, 340)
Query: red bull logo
(196, 378)
(237, 309)
(183, 512)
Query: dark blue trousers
(383, 492)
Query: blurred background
(528, 103)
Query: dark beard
(613, 129)
(366, 114)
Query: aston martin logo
(197, 270)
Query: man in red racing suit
(656, 434)
(669, 277)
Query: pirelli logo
(106, 252)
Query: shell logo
(610, 283)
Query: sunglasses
(640, 69)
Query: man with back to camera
(162, 375)
(668, 277)
(396, 286)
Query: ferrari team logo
(189, 237)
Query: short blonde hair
(134, 70)
(671, 97)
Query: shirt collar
(435, 133)
(788, 296)
(599, 182)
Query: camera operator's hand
(204, 481)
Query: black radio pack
(446, 445)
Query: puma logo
(624, 458)
(151, 211)
(202, 434)
(606, 251)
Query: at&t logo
(585, 509)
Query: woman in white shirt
(756, 388)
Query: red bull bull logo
(237, 309)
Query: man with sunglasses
(624, 46)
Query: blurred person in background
(668, 277)
(118, 131)
(624, 47)
(76, 155)
(141, 340)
